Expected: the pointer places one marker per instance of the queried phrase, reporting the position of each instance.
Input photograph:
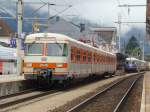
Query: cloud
(104, 12)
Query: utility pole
(128, 6)
(143, 50)
(48, 21)
(119, 35)
(19, 32)
(135, 22)
(143, 53)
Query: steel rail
(90, 99)
(25, 99)
(126, 95)
(16, 94)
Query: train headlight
(28, 64)
(59, 65)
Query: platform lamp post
(19, 32)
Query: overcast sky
(104, 12)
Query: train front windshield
(33, 49)
(57, 49)
(130, 63)
(53, 49)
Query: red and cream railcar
(59, 57)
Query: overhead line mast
(19, 32)
(126, 5)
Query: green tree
(133, 48)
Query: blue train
(135, 65)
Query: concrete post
(19, 20)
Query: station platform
(13, 83)
(145, 103)
(11, 78)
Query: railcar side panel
(80, 61)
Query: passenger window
(94, 57)
(89, 57)
(78, 55)
(72, 54)
(84, 57)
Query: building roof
(104, 29)
(105, 34)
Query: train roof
(39, 35)
(133, 59)
(62, 38)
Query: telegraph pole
(143, 50)
(19, 32)
(143, 55)
(119, 35)
(48, 22)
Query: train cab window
(57, 49)
(133, 62)
(33, 49)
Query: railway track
(12, 101)
(18, 93)
(103, 101)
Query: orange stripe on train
(48, 65)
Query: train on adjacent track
(59, 58)
(136, 65)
